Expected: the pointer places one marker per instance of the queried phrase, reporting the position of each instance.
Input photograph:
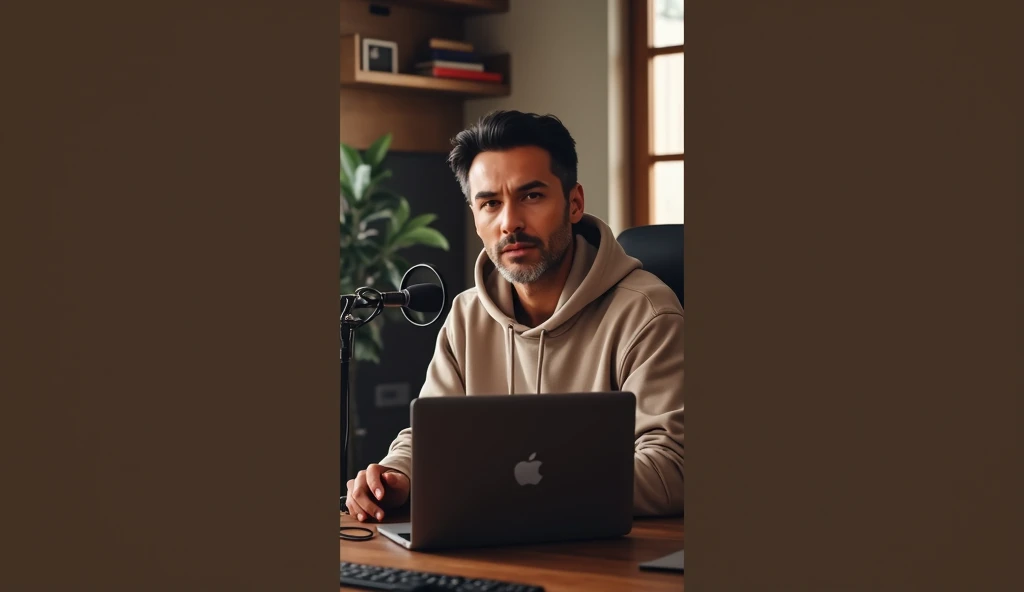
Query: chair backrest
(659, 248)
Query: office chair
(659, 248)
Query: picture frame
(380, 56)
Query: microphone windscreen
(427, 298)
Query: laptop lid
(491, 470)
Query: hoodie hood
(599, 263)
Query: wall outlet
(393, 394)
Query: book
(447, 64)
(451, 56)
(462, 74)
(449, 44)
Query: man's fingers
(354, 509)
(395, 479)
(366, 504)
(396, 488)
(361, 493)
(373, 481)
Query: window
(657, 111)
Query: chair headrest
(659, 248)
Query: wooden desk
(595, 566)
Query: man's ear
(576, 202)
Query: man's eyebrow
(526, 187)
(531, 185)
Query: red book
(463, 74)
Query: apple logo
(528, 471)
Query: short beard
(551, 255)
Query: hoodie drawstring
(540, 358)
(510, 351)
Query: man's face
(521, 213)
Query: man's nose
(511, 218)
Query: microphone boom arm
(417, 297)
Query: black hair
(502, 130)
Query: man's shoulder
(644, 291)
(466, 307)
(466, 299)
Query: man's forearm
(657, 482)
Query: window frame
(641, 115)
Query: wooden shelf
(353, 76)
(465, 7)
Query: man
(558, 307)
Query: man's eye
(491, 204)
(534, 195)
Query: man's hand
(374, 490)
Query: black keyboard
(373, 577)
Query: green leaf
(360, 253)
(363, 355)
(378, 215)
(371, 188)
(350, 159)
(421, 236)
(347, 191)
(369, 246)
(401, 215)
(360, 182)
(419, 222)
(394, 274)
(348, 198)
(382, 199)
(378, 150)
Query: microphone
(426, 298)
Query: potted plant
(376, 226)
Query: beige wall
(568, 59)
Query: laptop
(499, 470)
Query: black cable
(377, 298)
(355, 537)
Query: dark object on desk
(659, 248)
(373, 577)
(355, 533)
(528, 470)
(672, 562)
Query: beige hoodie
(615, 328)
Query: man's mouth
(516, 248)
